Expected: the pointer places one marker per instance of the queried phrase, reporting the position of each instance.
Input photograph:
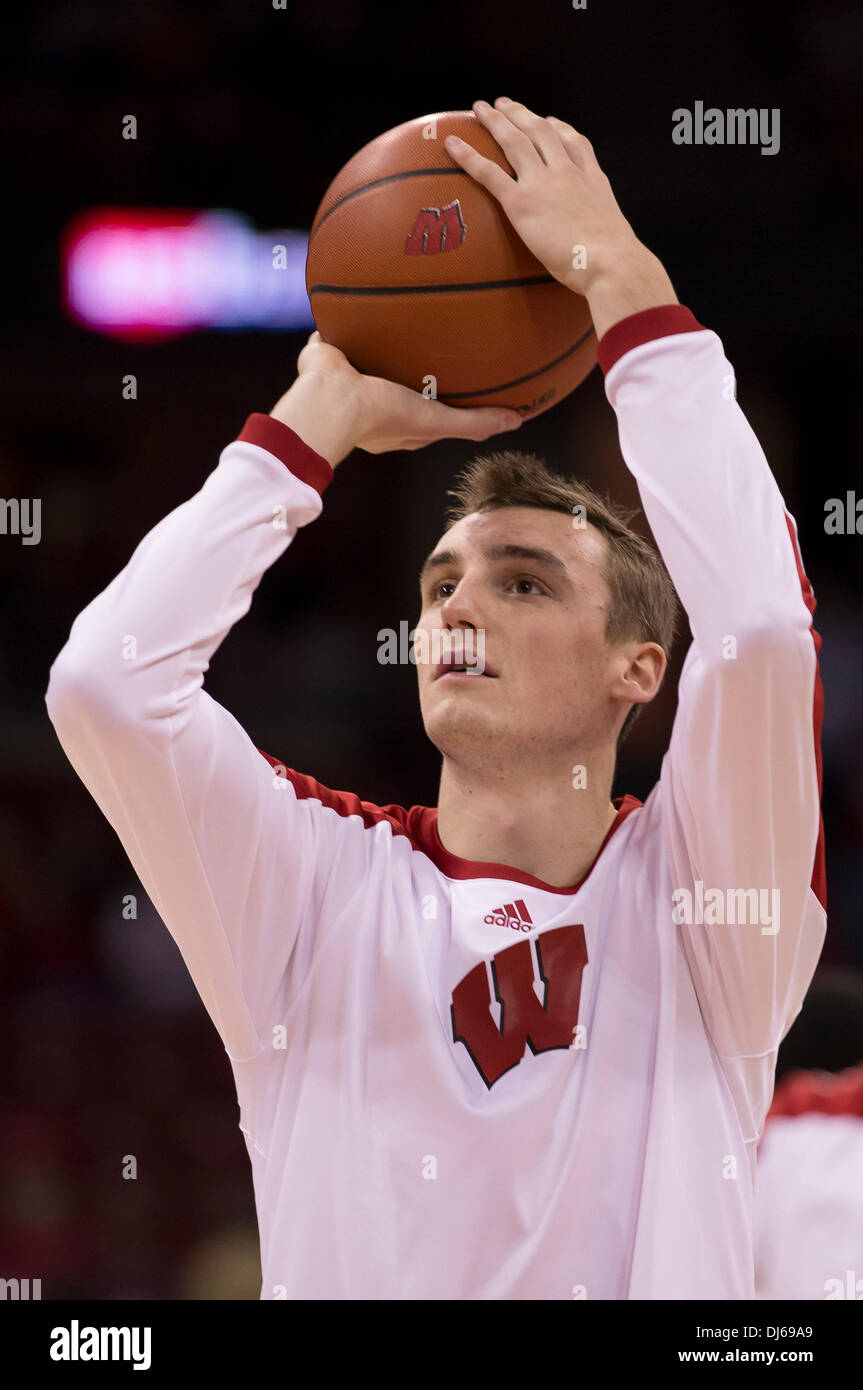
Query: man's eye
(525, 579)
(436, 591)
(528, 579)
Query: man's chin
(453, 727)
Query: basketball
(415, 273)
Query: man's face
(533, 584)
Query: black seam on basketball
(378, 183)
(433, 289)
(505, 385)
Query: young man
(434, 1106)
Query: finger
(488, 174)
(477, 424)
(470, 422)
(577, 146)
(543, 135)
(310, 341)
(516, 145)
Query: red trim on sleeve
(819, 876)
(286, 445)
(419, 824)
(659, 322)
(820, 1092)
(346, 803)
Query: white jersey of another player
(809, 1189)
(456, 1081)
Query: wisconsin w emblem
(436, 229)
(562, 956)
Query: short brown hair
(644, 603)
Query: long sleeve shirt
(456, 1081)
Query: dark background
(107, 1050)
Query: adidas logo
(513, 915)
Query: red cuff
(298, 457)
(658, 322)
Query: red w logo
(562, 956)
(436, 229)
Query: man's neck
(539, 825)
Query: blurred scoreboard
(150, 273)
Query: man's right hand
(335, 409)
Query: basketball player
(808, 1205)
(808, 1220)
(520, 1045)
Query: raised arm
(232, 859)
(741, 782)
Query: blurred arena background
(249, 110)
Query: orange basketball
(416, 274)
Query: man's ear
(641, 672)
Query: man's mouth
(462, 670)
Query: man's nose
(463, 607)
